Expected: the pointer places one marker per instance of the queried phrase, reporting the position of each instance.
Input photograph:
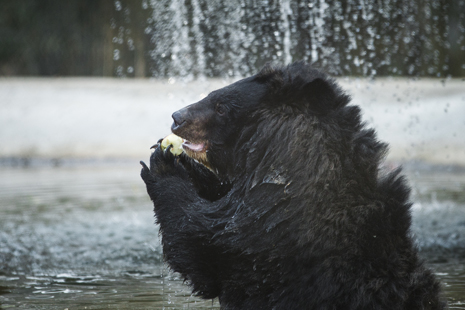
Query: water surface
(83, 237)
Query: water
(77, 237)
(130, 290)
(83, 237)
(235, 38)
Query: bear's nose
(178, 119)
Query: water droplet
(118, 5)
(145, 5)
(116, 54)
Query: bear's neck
(303, 156)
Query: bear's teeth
(192, 146)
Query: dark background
(80, 37)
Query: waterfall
(194, 38)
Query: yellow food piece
(175, 141)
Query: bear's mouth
(193, 147)
(197, 151)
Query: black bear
(279, 203)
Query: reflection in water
(83, 238)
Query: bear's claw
(145, 173)
(168, 149)
(157, 144)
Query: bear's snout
(178, 119)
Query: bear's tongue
(192, 146)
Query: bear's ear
(318, 96)
(317, 93)
(302, 87)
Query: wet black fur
(298, 215)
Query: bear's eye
(220, 109)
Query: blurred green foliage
(47, 37)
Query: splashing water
(357, 37)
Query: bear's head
(210, 126)
(248, 115)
